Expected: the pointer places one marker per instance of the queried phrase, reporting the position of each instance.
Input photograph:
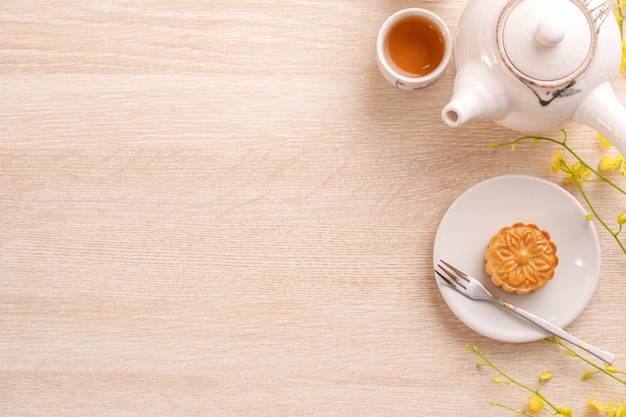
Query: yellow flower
(535, 403)
(574, 173)
(564, 411)
(597, 405)
(611, 162)
(621, 219)
(611, 409)
(578, 171)
(622, 70)
(604, 142)
(558, 162)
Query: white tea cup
(413, 48)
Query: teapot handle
(602, 111)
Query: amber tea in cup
(414, 48)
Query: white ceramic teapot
(534, 65)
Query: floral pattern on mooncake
(521, 258)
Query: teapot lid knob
(550, 32)
(547, 43)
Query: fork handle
(607, 357)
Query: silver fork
(472, 288)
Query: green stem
(575, 354)
(621, 15)
(568, 149)
(577, 181)
(595, 172)
(515, 410)
(513, 381)
(579, 185)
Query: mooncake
(521, 258)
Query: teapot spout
(474, 97)
(603, 112)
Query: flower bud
(564, 411)
(545, 376)
(588, 375)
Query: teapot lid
(546, 43)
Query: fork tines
(452, 273)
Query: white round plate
(479, 213)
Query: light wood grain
(212, 208)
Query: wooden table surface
(222, 209)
